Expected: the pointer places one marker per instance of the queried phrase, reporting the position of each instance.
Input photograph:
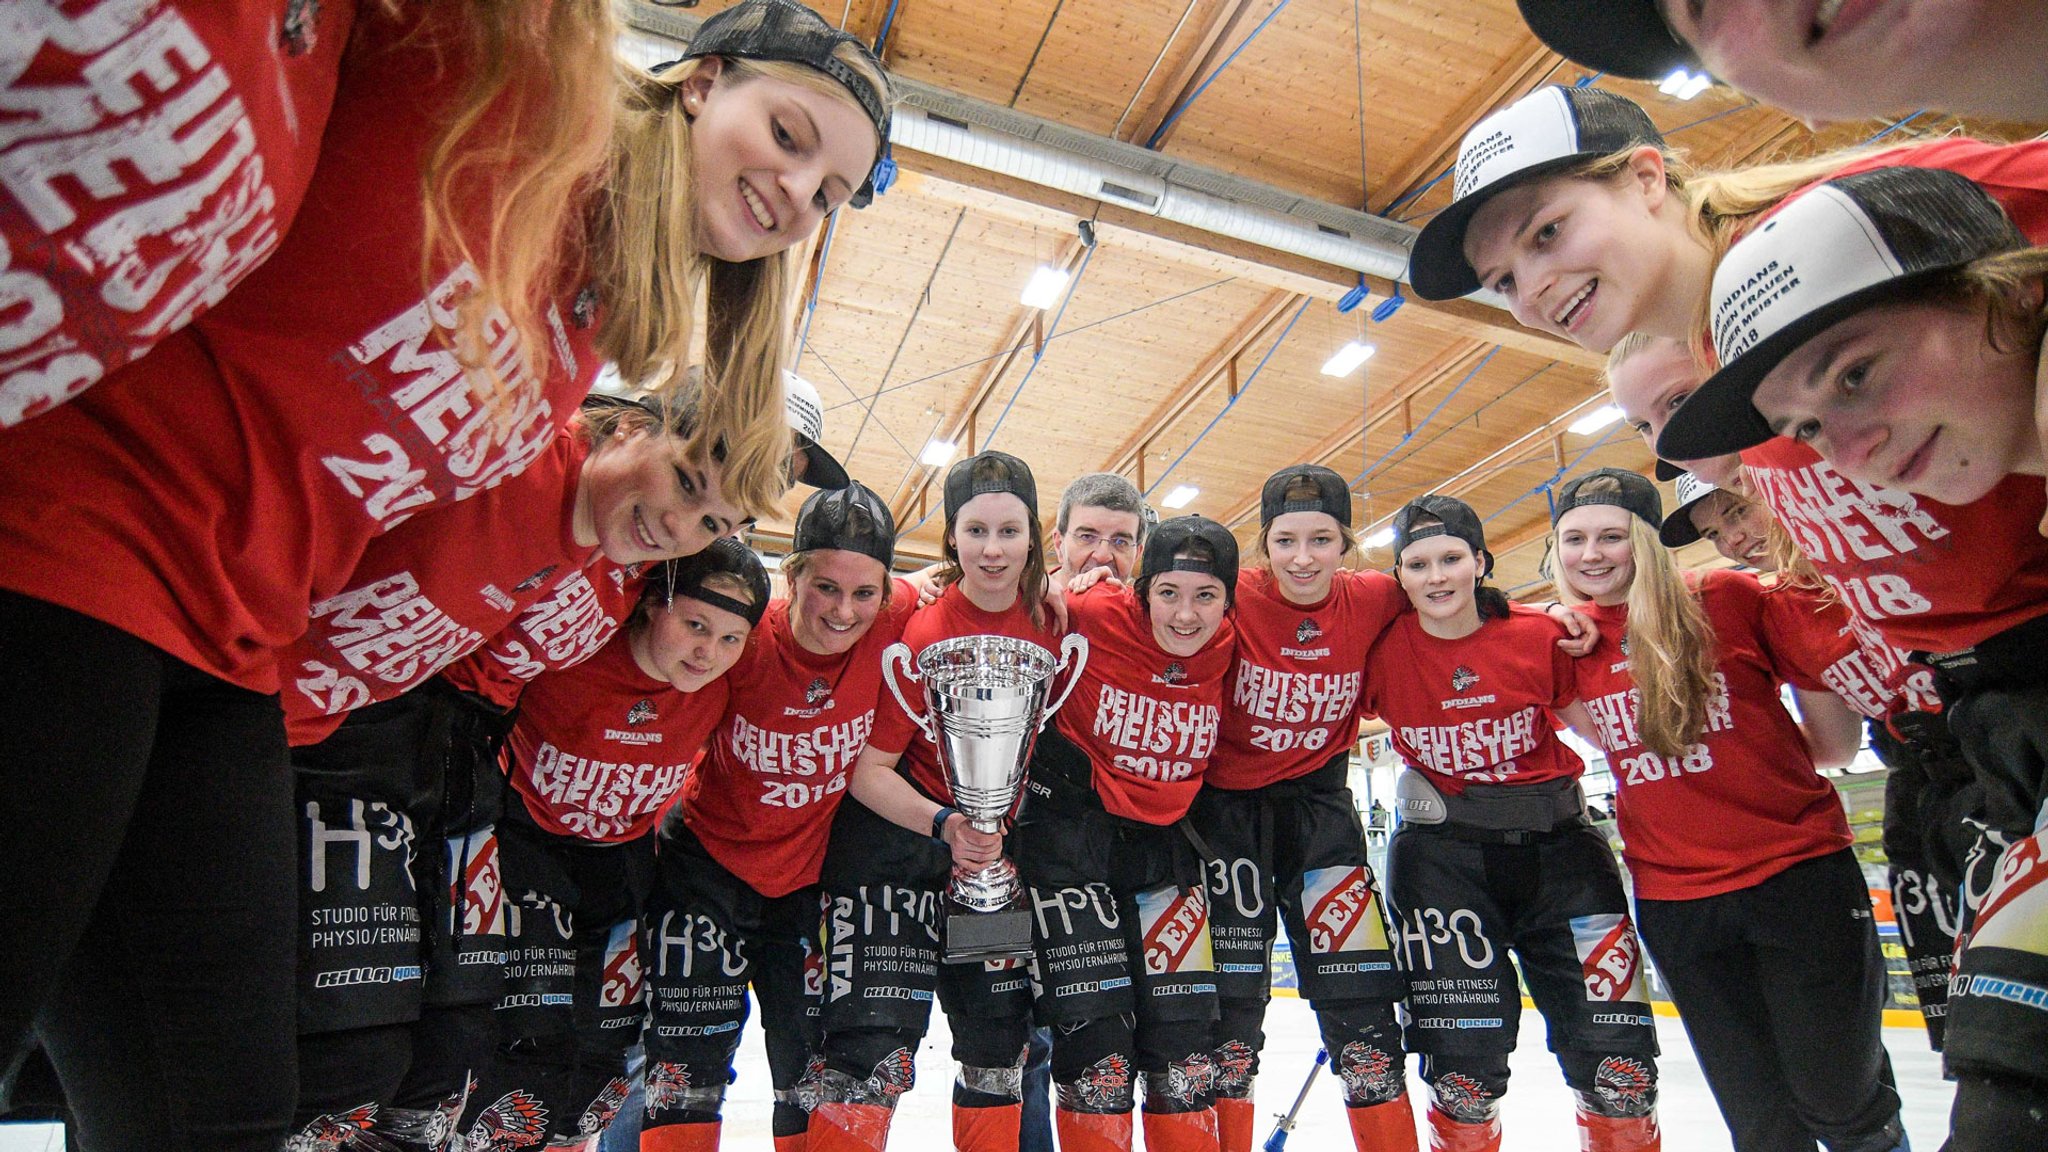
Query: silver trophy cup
(985, 701)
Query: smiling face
(991, 536)
(770, 158)
(645, 496)
(1847, 59)
(1186, 609)
(1738, 529)
(1587, 259)
(834, 599)
(1594, 551)
(1305, 550)
(1649, 386)
(1909, 396)
(1441, 575)
(690, 643)
(1098, 538)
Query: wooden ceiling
(1181, 358)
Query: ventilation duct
(998, 139)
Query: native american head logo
(1106, 1084)
(1625, 1085)
(298, 34)
(1174, 674)
(817, 691)
(1306, 631)
(1366, 1070)
(1463, 678)
(584, 310)
(1624, 644)
(533, 581)
(1234, 1062)
(642, 712)
(894, 1075)
(666, 1084)
(1189, 1079)
(1462, 1098)
(598, 1116)
(337, 1130)
(517, 1120)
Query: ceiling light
(1684, 85)
(938, 453)
(1381, 538)
(1181, 496)
(1348, 358)
(1046, 286)
(1695, 86)
(1595, 420)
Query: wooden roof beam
(1211, 23)
(1217, 365)
(1522, 73)
(963, 420)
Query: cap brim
(1667, 471)
(1678, 530)
(1437, 268)
(1720, 416)
(821, 470)
(1626, 38)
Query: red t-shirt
(1872, 677)
(152, 155)
(600, 752)
(1931, 577)
(763, 798)
(416, 604)
(571, 622)
(1745, 802)
(1477, 708)
(951, 615)
(1145, 718)
(205, 495)
(1295, 690)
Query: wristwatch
(939, 819)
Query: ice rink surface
(1537, 1113)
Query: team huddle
(403, 749)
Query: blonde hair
(1670, 641)
(579, 137)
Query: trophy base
(973, 937)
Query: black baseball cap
(807, 422)
(1333, 495)
(1828, 253)
(1173, 536)
(1626, 38)
(1453, 517)
(1677, 530)
(986, 472)
(1548, 131)
(850, 519)
(726, 556)
(1637, 495)
(786, 30)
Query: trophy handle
(1073, 658)
(899, 653)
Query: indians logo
(1367, 1071)
(517, 1120)
(1105, 1086)
(642, 712)
(1188, 1079)
(1624, 645)
(1234, 1060)
(810, 1087)
(1463, 678)
(298, 34)
(1306, 631)
(533, 581)
(334, 1131)
(1626, 1086)
(817, 691)
(893, 1076)
(584, 310)
(1174, 674)
(666, 1086)
(598, 1116)
(1462, 1097)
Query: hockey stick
(1278, 1140)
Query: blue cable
(1232, 402)
(1410, 434)
(1895, 126)
(1159, 132)
(811, 305)
(1547, 485)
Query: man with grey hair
(1102, 524)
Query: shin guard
(1234, 1119)
(797, 1143)
(1599, 1133)
(1388, 1127)
(684, 1138)
(1180, 1131)
(1093, 1131)
(986, 1129)
(1448, 1135)
(840, 1126)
